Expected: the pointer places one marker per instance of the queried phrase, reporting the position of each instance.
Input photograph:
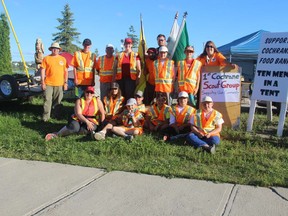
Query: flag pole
(143, 41)
(179, 33)
(170, 39)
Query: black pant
(127, 86)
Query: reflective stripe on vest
(104, 72)
(81, 67)
(112, 106)
(184, 116)
(209, 124)
(187, 77)
(127, 122)
(163, 75)
(94, 117)
(159, 114)
(133, 71)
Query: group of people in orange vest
(121, 110)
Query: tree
(5, 54)
(96, 52)
(67, 34)
(131, 34)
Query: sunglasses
(209, 46)
(89, 92)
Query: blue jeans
(194, 140)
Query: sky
(109, 21)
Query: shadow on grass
(11, 107)
(43, 127)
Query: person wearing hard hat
(104, 67)
(164, 73)
(189, 75)
(180, 118)
(206, 128)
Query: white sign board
(222, 87)
(271, 77)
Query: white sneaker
(99, 136)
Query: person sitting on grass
(113, 102)
(180, 118)
(89, 113)
(129, 123)
(206, 128)
(158, 115)
(139, 99)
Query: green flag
(181, 42)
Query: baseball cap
(114, 85)
(131, 101)
(87, 42)
(151, 50)
(90, 89)
(190, 48)
(183, 94)
(139, 93)
(207, 99)
(128, 40)
(109, 46)
(163, 49)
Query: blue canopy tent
(244, 52)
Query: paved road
(50, 189)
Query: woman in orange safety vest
(189, 74)
(128, 69)
(113, 102)
(89, 113)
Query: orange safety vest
(207, 124)
(133, 70)
(188, 77)
(217, 60)
(159, 116)
(151, 72)
(90, 112)
(106, 68)
(112, 107)
(127, 122)
(184, 116)
(164, 75)
(84, 71)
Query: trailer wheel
(8, 87)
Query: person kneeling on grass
(129, 123)
(89, 112)
(207, 127)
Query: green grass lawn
(256, 158)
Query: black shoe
(211, 149)
(129, 138)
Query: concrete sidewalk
(40, 188)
